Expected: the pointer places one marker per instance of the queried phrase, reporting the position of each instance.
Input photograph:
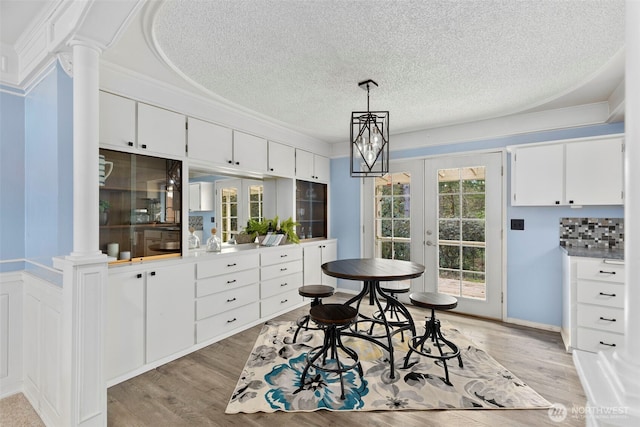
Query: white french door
(445, 213)
(463, 231)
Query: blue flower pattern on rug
(321, 389)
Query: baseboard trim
(534, 325)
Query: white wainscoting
(10, 333)
(42, 334)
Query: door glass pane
(461, 232)
(229, 213)
(393, 216)
(255, 202)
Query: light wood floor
(195, 390)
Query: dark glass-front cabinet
(140, 205)
(311, 209)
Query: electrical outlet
(517, 224)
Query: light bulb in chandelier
(376, 139)
(370, 154)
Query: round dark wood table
(372, 271)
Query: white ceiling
(437, 62)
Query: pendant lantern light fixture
(369, 139)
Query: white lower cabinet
(124, 342)
(280, 278)
(593, 317)
(316, 254)
(227, 290)
(162, 309)
(170, 310)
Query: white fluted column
(85, 149)
(611, 380)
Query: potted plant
(104, 212)
(256, 228)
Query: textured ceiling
(437, 62)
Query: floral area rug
(270, 380)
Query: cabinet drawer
(279, 285)
(599, 270)
(229, 320)
(227, 264)
(280, 302)
(225, 301)
(609, 294)
(280, 270)
(225, 282)
(278, 255)
(602, 318)
(594, 340)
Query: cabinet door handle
(232, 320)
(232, 265)
(607, 295)
(283, 269)
(130, 143)
(570, 202)
(271, 169)
(557, 202)
(283, 301)
(607, 272)
(283, 284)
(283, 256)
(144, 146)
(139, 275)
(607, 344)
(231, 281)
(231, 300)
(237, 163)
(230, 162)
(153, 273)
(608, 320)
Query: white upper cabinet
(282, 160)
(588, 172)
(209, 142)
(537, 175)
(312, 167)
(117, 121)
(595, 173)
(201, 196)
(249, 152)
(161, 131)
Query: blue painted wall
(48, 163)
(534, 266)
(12, 218)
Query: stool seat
(333, 314)
(395, 288)
(433, 300)
(316, 291)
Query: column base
(610, 384)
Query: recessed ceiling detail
(440, 62)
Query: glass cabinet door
(140, 204)
(311, 209)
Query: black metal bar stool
(317, 292)
(391, 289)
(434, 301)
(332, 318)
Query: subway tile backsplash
(604, 233)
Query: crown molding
(95, 22)
(548, 120)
